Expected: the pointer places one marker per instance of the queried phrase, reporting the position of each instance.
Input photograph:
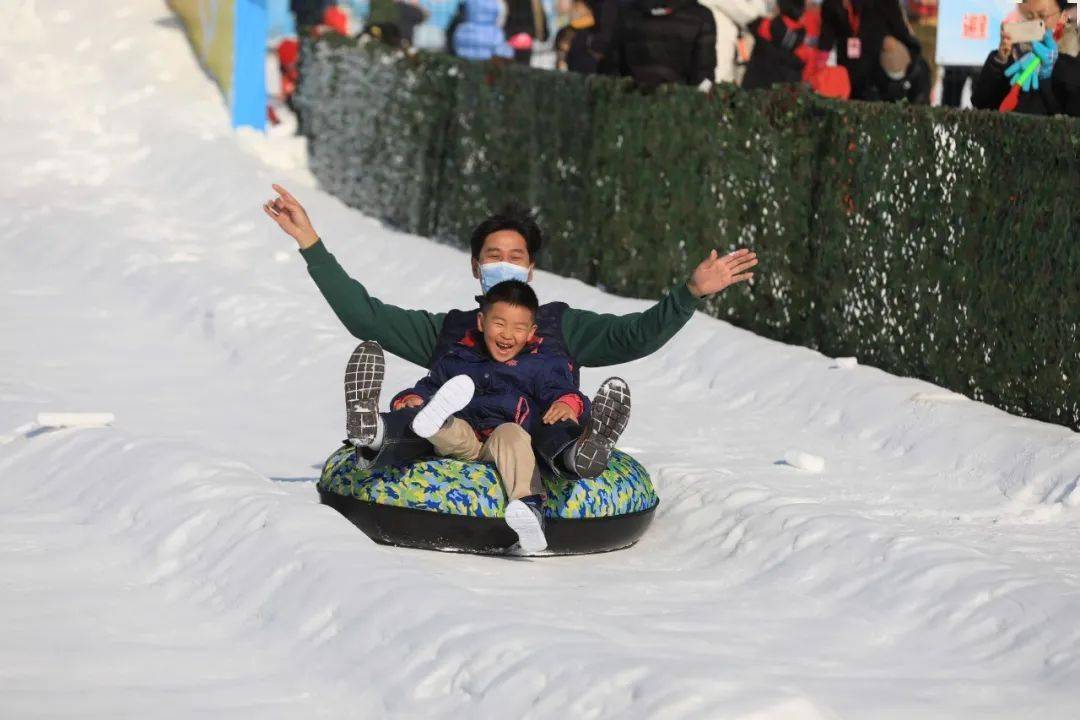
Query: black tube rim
(432, 530)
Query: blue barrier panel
(249, 64)
(229, 38)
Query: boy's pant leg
(458, 440)
(400, 445)
(510, 448)
(551, 441)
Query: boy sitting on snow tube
(483, 396)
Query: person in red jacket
(786, 51)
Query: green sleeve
(596, 339)
(409, 334)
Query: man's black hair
(513, 292)
(512, 217)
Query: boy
(481, 399)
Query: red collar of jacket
(474, 339)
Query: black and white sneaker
(363, 383)
(527, 519)
(610, 414)
(454, 395)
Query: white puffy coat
(731, 15)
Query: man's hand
(1004, 47)
(409, 401)
(559, 411)
(1047, 52)
(716, 273)
(290, 216)
(1024, 72)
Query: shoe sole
(363, 382)
(607, 421)
(453, 396)
(523, 521)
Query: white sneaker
(454, 395)
(528, 523)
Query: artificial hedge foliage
(952, 251)
(933, 243)
(519, 134)
(681, 172)
(378, 126)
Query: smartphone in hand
(1025, 32)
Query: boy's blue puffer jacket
(519, 391)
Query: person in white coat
(731, 17)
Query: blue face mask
(491, 274)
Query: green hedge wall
(948, 248)
(939, 244)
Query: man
(504, 247)
(1056, 90)
(664, 41)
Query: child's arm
(556, 392)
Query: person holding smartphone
(1057, 89)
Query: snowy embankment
(177, 564)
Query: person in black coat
(526, 23)
(874, 42)
(582, 44)
(1057, 95)
(773, 60)
(664, 41)
(308, 13)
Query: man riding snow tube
(444, 504)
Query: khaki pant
(509, 446)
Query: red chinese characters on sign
(975, 26)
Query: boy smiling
(481, 399)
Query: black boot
(610, 413)
(363, 382)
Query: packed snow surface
(177, 564)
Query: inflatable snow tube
(445, 504)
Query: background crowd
(858, 49)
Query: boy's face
(506, 329)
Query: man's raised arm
(409, 334)
(596, 339)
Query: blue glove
(1047, 51)
(1017, 68)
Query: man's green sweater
(593, 339)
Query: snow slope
(178, 564)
